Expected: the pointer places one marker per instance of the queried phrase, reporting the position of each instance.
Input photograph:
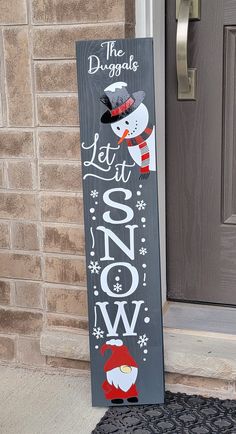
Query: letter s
(127, 209)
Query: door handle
(186, 10)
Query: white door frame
(150, 21)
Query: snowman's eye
(118, 128)
(127, 123)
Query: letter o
(135, 279)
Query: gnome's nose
(125, 369)
(125, 133)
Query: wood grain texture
(102, 176)
(229, 172)
(201, 252)
(229, 12)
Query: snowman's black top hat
(119, 102)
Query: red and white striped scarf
(144, 149)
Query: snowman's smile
(132, 125)
(128, 133)
(135, 129)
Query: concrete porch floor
(43, 402)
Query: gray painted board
(117, 122)
(201, 231)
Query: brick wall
(42, 264)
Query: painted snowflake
(141, 205)
(143, 341)
(94, 267)
(94, 193)
(117, 287)
(98, 333)
(143, 251)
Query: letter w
(121, 314)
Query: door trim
(201, 329)
(144, 18)
(150, 22)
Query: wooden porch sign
(118, 150)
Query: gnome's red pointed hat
(120, 355)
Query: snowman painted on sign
(129, 119)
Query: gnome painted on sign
(121, 373)
(129, 119)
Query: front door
(201, 159)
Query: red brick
(61, 177)
(78, 11)
(28, 294)
(57, 76)
(61, 208)
(58, 362)
(5, 290)
(20, 266)
(2, 180)
(57, 110)
(72, 301)
(64, 239)
(18, 206)
(4, 236)
(28, 352)
(59, 144)
(7, 348)
(13, 12)
(13, 321)
(65, 321)
(25, 236)
(16, 144)
(65, 270)
(20, 175)
(17, 76)
(59, 42)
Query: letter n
(108, 234)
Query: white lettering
(134, 282)
(108, 234)
(121, 314)
(127, 209)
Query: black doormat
(181, 414)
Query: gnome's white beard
(121, 379)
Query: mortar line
(4, 104)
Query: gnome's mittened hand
(106, 387)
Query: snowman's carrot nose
(125, 133)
